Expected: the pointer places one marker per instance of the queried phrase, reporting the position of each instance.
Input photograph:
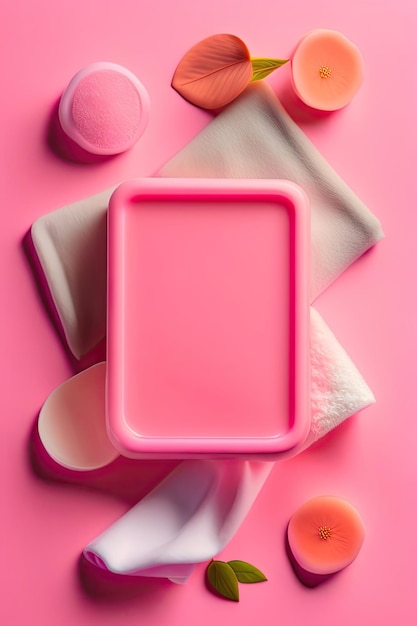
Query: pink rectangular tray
(208, 318)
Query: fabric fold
(254, 137)
(185, 520)
(192, 515)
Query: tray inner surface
(206, 317)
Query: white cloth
(191, 515)
(252, 138)
(255, 138)
(186, 519)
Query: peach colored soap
(72, 425)
(324, 536)
(327, 70)
(207, 318)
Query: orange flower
(325, 535)
(327, 70)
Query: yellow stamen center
(325, 71)
(325, 532)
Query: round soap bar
(324, 536)
(72, 422)
(104, 109)
(326, 69)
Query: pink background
(371, 460)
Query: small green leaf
(247, 573)
(223, 579)
(263, 67)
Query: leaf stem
(262, 67)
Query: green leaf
(222, 579)
(263, 67)
(247, 573)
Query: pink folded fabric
(185, 520)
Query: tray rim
(126, 440)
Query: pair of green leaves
(217, 69)
(224, 578)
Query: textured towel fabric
(256, 138)
(180, 523)
(252, 138)
(338, 390)
(191, 515)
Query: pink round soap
(327, 70)
(104, 109)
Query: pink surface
(370, 460)
(207, 280)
